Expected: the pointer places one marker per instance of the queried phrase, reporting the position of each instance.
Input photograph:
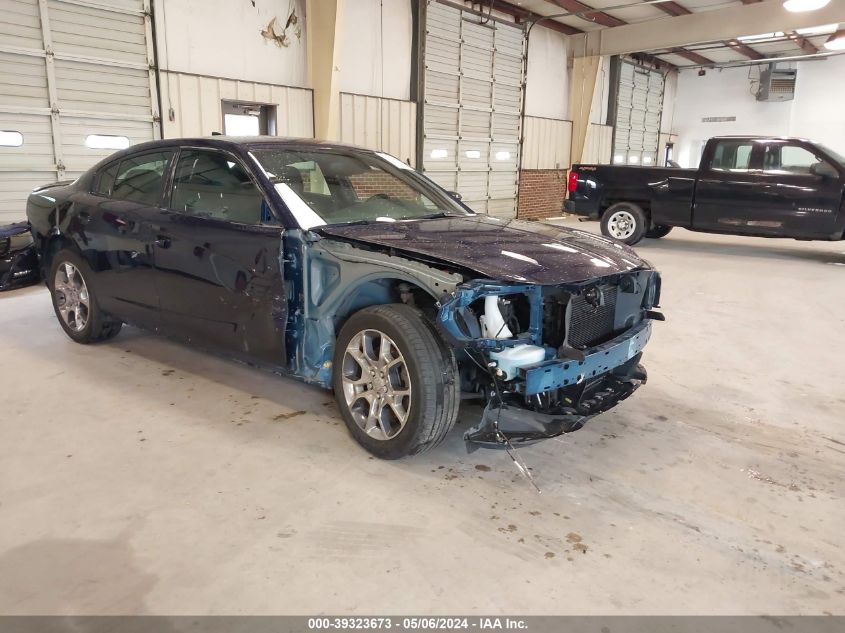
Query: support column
(324, 19)
(582, 85)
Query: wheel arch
(380, 289)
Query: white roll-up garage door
(639, 105)
(473, 101)
(77, 80)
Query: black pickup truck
(760, 186)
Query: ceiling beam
(604, 19)
(588, 13)
(705, 26)
(524, 15)
(743, 49)
(691, 56)
(655, 61)
(674, 9)
(803, 43)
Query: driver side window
(213, 185)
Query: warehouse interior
(145, 476)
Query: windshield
(340, 187)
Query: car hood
(512, 250)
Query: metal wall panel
(599, 144)
(69, 69)
(472, 107)
(196, 104)
(639, 106)
(387, 125)
(548, 143)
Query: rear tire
(395, 381)
(75, 301)
(657, 231)
(625, 222)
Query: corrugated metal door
(639, 105)
(70, 70)
(473, 100)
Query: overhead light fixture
(797, 6)
(818, 30)
(836, 42)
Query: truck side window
(732, 156)
(789, 159)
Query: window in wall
(732, 156)
(106, 141)
(789, 159)
(214, 185)
(139, 178)
(248, 119)
(10, 138)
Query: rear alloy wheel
(625, 221)
(74, 301)
(657, 231)
(395, 381)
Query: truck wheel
(395, 381)
(624, 221)
(657, 231)
(75, 301)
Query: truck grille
(592, 325)
(4, 246)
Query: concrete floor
(140, 476)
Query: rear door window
(140, 178)
(214, 185)
(732, 156)
(105, 181)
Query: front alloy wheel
(376, 384)
(395, 381)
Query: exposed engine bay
(545, 359)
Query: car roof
(759, 137)
(243, 142)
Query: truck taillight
(572, 185)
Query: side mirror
(455, 195)
(823, 170)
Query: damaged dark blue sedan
(345, 268)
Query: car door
(727, 189)
(800, 190)
(116, 216)
(218, 258)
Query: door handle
(162, 242)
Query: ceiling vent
(777, 83)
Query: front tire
(75, 301)
(626, 222)
(395, 381)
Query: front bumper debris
(506, 422)
(553, 374)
